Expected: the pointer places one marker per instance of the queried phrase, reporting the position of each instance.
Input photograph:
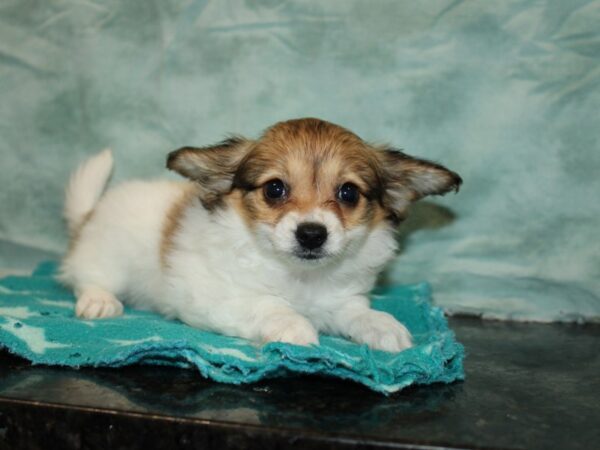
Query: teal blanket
(506, 93)
(37, 323)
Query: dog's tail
(85, 188)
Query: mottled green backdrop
(506, 93)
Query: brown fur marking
(173, 218)
(313, 158)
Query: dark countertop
(529, 386)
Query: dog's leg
(355, 319)
(263, 319)
(285, 325)
(94, 302)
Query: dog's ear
(408, 179)
(213, 167)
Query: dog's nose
(311, 235)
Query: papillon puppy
(274, 239)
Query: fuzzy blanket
(37, 322)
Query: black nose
(311, 235)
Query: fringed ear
(213, 168)
(408, 179)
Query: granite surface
(528, 386)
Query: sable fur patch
(313, 158)
(173, 218)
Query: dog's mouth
(310, 255)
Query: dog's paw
(96, 303)
(290, 328)
(380, 331)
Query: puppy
(275, 239)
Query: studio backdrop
(505, 93)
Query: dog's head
(309, 189)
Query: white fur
(85, 188)
(283, 240)
(222, 275)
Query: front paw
(290, 328)
(380, 331)
(96, 303)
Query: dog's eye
(274, 190)
(348, 193)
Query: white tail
(85, 187)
